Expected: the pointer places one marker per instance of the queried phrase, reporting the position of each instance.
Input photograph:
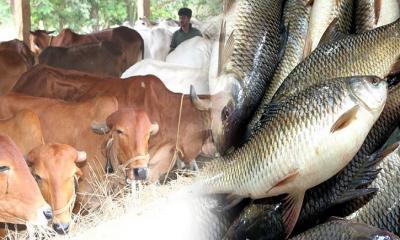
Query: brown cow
(55, 168)
(145, 92)
(21, 48)
(70, 123)
(24, 129)
(21, 201)
(102, 58)
(15, 59)
(131, 42)
(12, 66)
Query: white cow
(157, 38)
(176, 78)
(195, 53)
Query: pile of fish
(310, 98)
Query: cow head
(225, 120)
(39, 40)
(55, 170)
(20, 197)
(128, 131)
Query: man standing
(186, 31)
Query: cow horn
(202, 105)
(49, 32)
(154, 129)
(99, 128)
(81, 156)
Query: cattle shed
(22, 16)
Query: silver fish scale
(256, 42)
(383, 210)
(344, 230)
(245, 169)
(296, 15)
(370, 53)
(322, 197)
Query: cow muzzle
(141, 173)
(61, 228)
(138, 172)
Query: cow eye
(37, 177)
(119, 131)
(4, 168)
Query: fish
(360, 171)
(345, 230)
(323, 13)
(375, 52)
(257, 221)
(383, 208)
(370, 14)
(306, 140)
(247, 63)
(295, 16)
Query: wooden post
(22, 17)
(143, 8)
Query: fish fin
(331, 34)
(377, 10)
(284, 32)
(345, 119)
(356, 193)
(365, 175)
(270, 110)
(334, 218)
(291, 210)
(388, 150)
(309, 2)
(230, 201)
(394, 69)
(225, 49)
(287, 178)
(221, 43)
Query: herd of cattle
(66, 113)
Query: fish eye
(375, 81)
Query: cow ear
(4, 168)
(154, 129)
(100, 128)
(81, 156)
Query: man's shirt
(179, 36)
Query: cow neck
(177, 150)
(110, 156)
(70, 204)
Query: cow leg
(160, 162)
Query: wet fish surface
(370, 14)
(248, 62)
(345, 230)
(360, 171)
(285, 155)
(371, 53)
(296, 17)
